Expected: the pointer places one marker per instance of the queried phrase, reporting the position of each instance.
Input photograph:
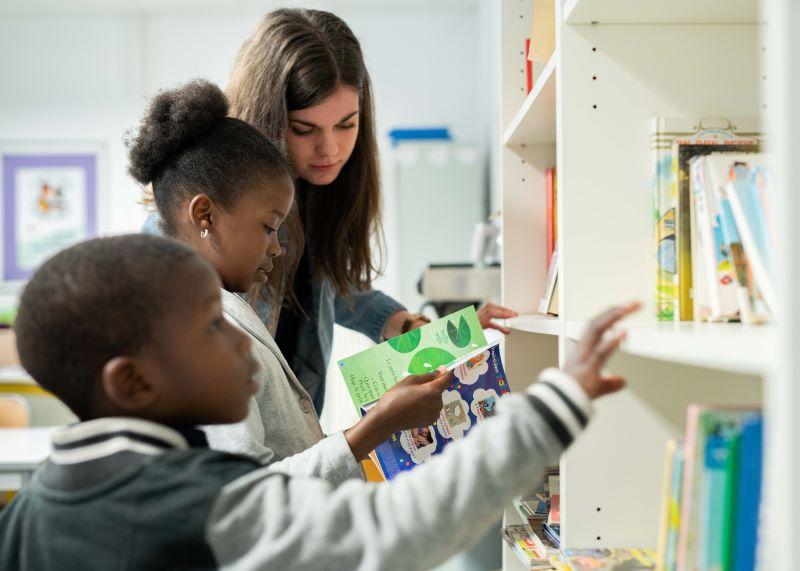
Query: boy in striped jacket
(129, 333)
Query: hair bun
(174, 120)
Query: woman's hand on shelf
(490, 311)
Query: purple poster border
(11, 164)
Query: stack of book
(596, 559)
(535, 542)
(732, 246)
(532, 554)
(714, 232)
(712, 492)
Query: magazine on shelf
(526, 548)
(456, 342)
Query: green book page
(372, 372)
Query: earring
(204, 233)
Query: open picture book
(456, 342)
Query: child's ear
(125, 385)
(201, 208)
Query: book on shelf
(715, 509)
(553, 533)
(530, 553)
(675, 142)
(551, 213)
(543, 31)
(456, 342)
(749, 195)
(548, 304)
(535, 509)
(670, 506)
(731, 198)
(594, 559)
(528, 67)
(747, 501)
(716, 288)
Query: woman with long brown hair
(301, 79)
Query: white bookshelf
(723, 346)
(660, 12)
(536, 323)
(618, 63)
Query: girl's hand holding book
(413, 402)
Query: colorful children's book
(675, 142)
(748, 495)
(709, 179)
(748, 186)
(716, 484)
(550, 284)
(701, 290)
(699, 494)
(531, 555)
(551, 213)
(751, 308)
(472, 397)
(443, 342)
(597, 559)
(665, 519)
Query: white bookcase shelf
(616, 65)
(730, 347)
(536, 323)
(661, 12)
(535, 122)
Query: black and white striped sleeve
(562, 404)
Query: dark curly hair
(93, 302)
(187, 144)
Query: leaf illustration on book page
(428, 360)
(461, 336)
(406, 342)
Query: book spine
(550, 212)
(528, 67)
(748, 495)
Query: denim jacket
(365, 312)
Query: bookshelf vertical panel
(515, 26)
(780, 522)
(524, 223)
(614, 80)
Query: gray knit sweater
(282, 421)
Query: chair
(15, 412)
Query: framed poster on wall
(49, 200)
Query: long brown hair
(293, 60)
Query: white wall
(86, 76)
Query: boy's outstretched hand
(585, 363)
